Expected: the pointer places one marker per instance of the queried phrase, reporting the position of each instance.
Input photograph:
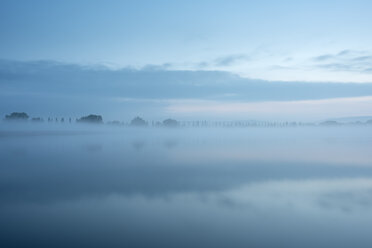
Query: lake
(98, 186)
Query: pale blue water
(83, 186)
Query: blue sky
(273, 40)
(258, 54)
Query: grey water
(87, 186)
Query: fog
(185, 124)
(101, 185)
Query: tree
(170, 123)
(138, 122)
(91, 119)
(37, 119)
(17, 116)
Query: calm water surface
(125, 187)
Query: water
(86, 186)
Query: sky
(273, 41)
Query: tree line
(140, 122)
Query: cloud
(345, 65)
(48, 87)
(161, 67)
(345, 61)
(336, 66)
(363, 58)
(281, 67)
(224, 61)
(159, 82)
(323, 57)
(231, 59)
(345, 52)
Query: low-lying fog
(98, 185)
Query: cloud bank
(52, 88)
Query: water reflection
(93, 147)
(187, 188)
(170, 143)
(138, 145)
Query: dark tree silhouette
(17, 116)
(170, 123)
(91, 119)
(37, 119)
(138, 122)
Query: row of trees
(96, 119)
(139, 122)
(22, 116)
